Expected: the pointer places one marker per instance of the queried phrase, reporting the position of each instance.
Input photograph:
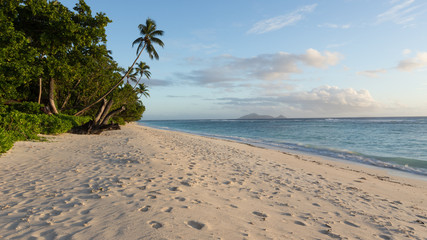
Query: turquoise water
(397, 143)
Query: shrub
(18, 126)
(25, 107)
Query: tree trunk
(96, 127)
(111, 114)
(105, 112)
(40, 90)
(114, 87)
(69, 95)
(52, 96)
(100, 111)
(136, 85)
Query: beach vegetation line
(55, 61)
(24, 121)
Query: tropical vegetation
(56, 72)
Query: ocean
(398, 143)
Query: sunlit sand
(142, 183)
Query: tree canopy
(58, 57)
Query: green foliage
(133, 112)
(19, 126)
(149, 35)
(42, 40)
(128, 97)
(17, 57)
(25, 107)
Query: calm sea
(397, 143)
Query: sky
(301, 59)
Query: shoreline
(146, 183)
(390, 170)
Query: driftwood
(100, 122)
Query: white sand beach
(143, 183)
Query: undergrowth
(24, 121)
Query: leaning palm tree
(142, 70)
(132, 74)
(149, 36)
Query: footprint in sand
(84, 212)
(300, 223)
(173, 189)
(167, 209)
(351, 224)
(260, 214)
(287, 214)
(145, 208)
(196, 225)
(181, 199)
(155, 224)
(151, 196)
(186, 183)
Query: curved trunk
(100, 111)
(111, 114)
(104, 112)
(137, 83)
(114, 87)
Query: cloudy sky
(225, 59)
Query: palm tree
(143, 90)
(149, 35)
(142, 69)
(131, 75)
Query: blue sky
(225, 59)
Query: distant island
(254, 116)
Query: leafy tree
(149, 36)
(58, 34)
(53, 55)
(17, 56)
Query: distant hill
(254, 116)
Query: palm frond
(148, 34)
(157, 33)
(157, 41)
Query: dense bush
(18, 126)
(25, 107)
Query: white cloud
(333, 99)
(372, 73)
(279, 65)
(279, 22)
(410, 64)
(229, 70)
(321, 101)
(402, 13)
(315, 59)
